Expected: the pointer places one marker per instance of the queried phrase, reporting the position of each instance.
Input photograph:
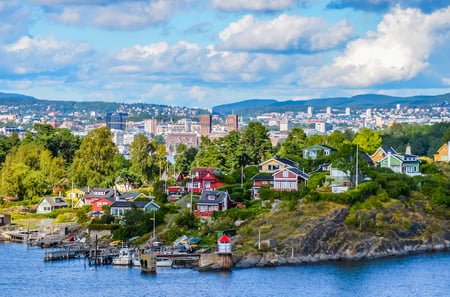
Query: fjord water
(23, 272)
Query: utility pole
(356, 181)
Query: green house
(317, 150)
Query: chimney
(408, 149)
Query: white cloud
(36, 55)
(285, 33)
(399, 50)
(255, 5)
(446, 81)
(116, 15)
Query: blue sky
(201, 53)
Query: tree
(368, 140)
(184, 158)
(93, 164)
(208, 154)
(232, 152)
(140, 150)
(257, 143)
(345, 160)
(336, 139)
(292, 147)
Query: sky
(202, 53)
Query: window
(285, 173)
(273, 167)
(326, 152)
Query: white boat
(125, 257)
(164, 262)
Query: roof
(298, 172)
(287, 161)
(224, 238)
(389, 149)
(261, 177)
(55, 201)
(220, 196)
(367, 158)
(317, 147)
(138, 204)
(284, 161)
(109, 193)
(131, 195)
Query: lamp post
(154, 220)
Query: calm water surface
(23, 272)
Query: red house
(211, 201)
(204, 179)
(288, 179)
(260, 181)
(98, 197)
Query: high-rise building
(347, 111)
(117, 120)
(328, 110)
(205, 124)
(285, 125)
(150, 126)
(310, 110)
(232, 122)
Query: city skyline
(210, 52)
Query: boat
(164, 262)
(125, 257)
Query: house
(99, 197)
(275, 164)
(443, 153)
(406, 163)
(48, 204)
(211, 201)
(204, 179)
(317, 150)
(381, 153)
(289, 179)
(260, 181)
(118, 208)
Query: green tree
(184, 158)
(256, 143)
(208, 154)
(140, 150)
(368, 140)
(93, 164)
(232, 152)
(345, 160)
(336, 139)
(292, 147)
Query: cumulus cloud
(383, 5)
(41, 55)
(255, 5)
(128, 15)
(398, 50)
(286, 33)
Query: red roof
(224, 238)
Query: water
(24, 273)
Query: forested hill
(367, 100)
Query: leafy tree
(93, 164)
(345, 160)
(257, 143)
(232, 152)
(292, 147)
(7, 144)
(315, 139)
(208, 154)
(140, 150)
(336, 139)
(184, 158)
(368, 140)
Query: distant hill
(367, 100)
(250, 103)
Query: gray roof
(55, 201)
(220, 196)
(299, 172)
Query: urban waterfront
(24, 273)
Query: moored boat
(125, 257)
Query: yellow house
(381, 153)
(275, 164)
(443, 154)
(74, 195)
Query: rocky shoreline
(272, 259)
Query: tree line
(49, 158)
